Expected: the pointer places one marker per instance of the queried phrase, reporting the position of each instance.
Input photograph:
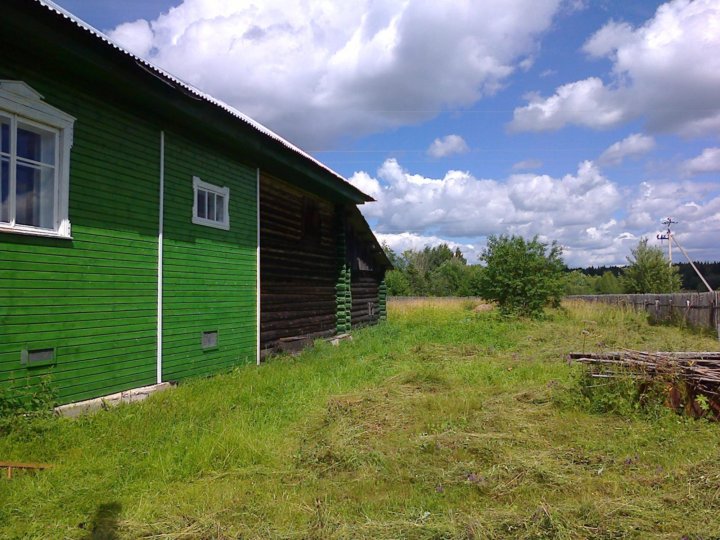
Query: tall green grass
(444, 422)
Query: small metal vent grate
(209, 339)
(37, 357)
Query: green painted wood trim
(343, 291)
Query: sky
(585, 122)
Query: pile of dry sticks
(688, 374)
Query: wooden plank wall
(208, 273)
(695, 309)
(366, 277)
(92, 298)
(298, 268)
(365, 298)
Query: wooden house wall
(366, 280)
(298, 273)
(365, 298)
(209, 274)
(92, 298)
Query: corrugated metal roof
(49, 4)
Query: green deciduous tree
(578, 283)
(432, 271)
(649, 272)
(453, 278)
(609, 283)
(397, 283)
(522, 276)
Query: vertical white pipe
(161, 212)
(257, 269)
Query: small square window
(210, 205)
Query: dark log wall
(298, 261)
(366, 277)
(365, 298)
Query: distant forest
(443, 271)
(690, 280)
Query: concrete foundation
(128, 396)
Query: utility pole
(668, 236)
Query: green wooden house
(149, 232)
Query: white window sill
(31, 231)
(210, 223)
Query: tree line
(600, 283)
(443, 271)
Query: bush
(522, 276)
(649, 272)
(16, 409)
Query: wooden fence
(695, 309)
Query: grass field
(444, 422)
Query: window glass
(35, 196)
(211, 206)
(4, 190)
(202, 204)
(4, 169)
(35, 144)
(220, 208)
(4, 135)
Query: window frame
(222, 191)
(21, 104)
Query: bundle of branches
(687, 374)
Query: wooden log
(10, 465)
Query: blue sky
(582, 122)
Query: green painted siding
(92, 298)
(208, 274)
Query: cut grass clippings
(444, 422)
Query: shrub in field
(16, 409)
(397, 283)
(649, 272)
(622, 394)
(522, 276)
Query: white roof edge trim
(49, 4)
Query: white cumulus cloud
(447, 146)
(587, 103)
(403, 241)
(632, 145)
(708, 161)
(595, 219)
(315, 71)
(666, 72)
(136, 37)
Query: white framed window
(35, 142)
(210, 205)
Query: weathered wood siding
(208, 273)
(366, 274)
(695, 309)
(92, 298)
(298, 264)
(365, 298)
